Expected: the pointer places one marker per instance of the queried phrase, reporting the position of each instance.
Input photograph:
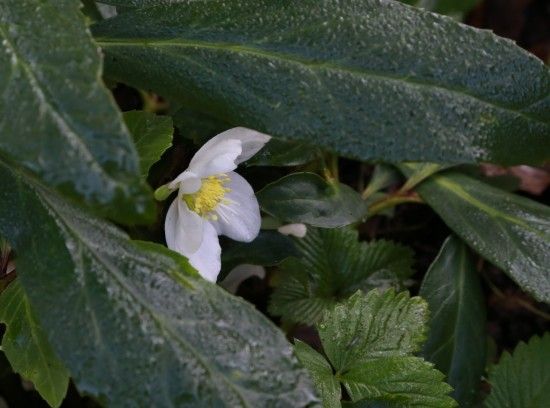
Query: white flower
(214, 200)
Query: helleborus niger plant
(213, 200)
(213, 203)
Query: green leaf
(383, 176)
(510, 231)
(27, 348)
(309, 199)
(369, 341)
(332, 264)
(334, 74)
(457, 341)
(521, 380)
(418, 172)
(280, 153)
(321, 373)
(268, 249)
(152, 136)
(373, 326)
(57, 119)
(398, 381)
(111, 307)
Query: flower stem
(392, 200)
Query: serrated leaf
(140, 309)
(510, 231)
(335, 73)
(331, 265)
(309, 199)
(57, 120)
(373, 326)
(457, 340)
(369, 341)
(27, 348)
(398, 381)
(521, 380)
(152, 136)
(321, 374)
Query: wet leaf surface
(111, 306)
(368, 79)
(47, 122)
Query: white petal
(239, 219)
(239, 274)
(251, 140)
(297, 230)
(184, 229)
(10, 267)
(188, 182)
(215, 157)
(207, 259)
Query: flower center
(210, 194)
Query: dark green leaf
(321, 373)
(368, 79)
(281, 153)
(457, 340)
(268, 249)
(113, 310)
(510, 231)
(522, 380)
(331, 265)
(27, 348)
(57, 120)
(152, 136)
(309, 199)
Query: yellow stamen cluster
(209, 196)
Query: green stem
(391, 201)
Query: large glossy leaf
(521, 380)
(27, 348)
(457, 339)
(512, 232)
(57, 120)
(309, 199)
(134, 323)
(369, 79)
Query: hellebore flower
(213, 200)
